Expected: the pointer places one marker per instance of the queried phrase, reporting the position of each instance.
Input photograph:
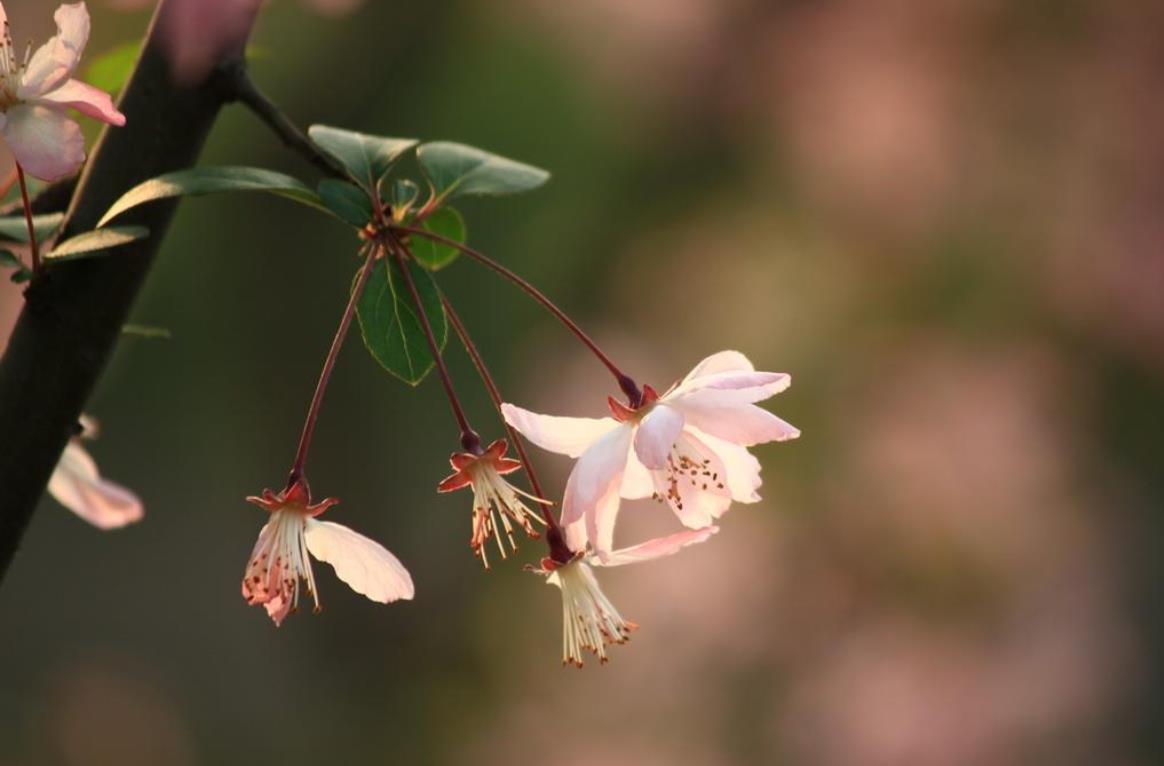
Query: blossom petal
(600, 521)
(721, 361)
(742, 467)
(636, 481)
(78, 486)
(567, 436)
(599, 467)
(729, 388)
(86, 99)
(46, 143)
(54, 62)
(695, 484)
(657, 548)
(744, 425)
(656, 435)
(365, 565)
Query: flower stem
(495, 395)
(625, 382)
(469, 438)
(328, 366)
(28, 219)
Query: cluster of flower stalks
(686, 449)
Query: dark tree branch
(74, 311)
(248, 94)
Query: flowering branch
(625, 382)
(74, 312)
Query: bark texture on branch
(74, 311)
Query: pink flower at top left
(37, 91)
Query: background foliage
(942, 218)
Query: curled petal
(599, 467)
(86, 99)
(54, 62)
(567, 436)
(721, 361)
(656, 435)
(742, 467)
(600, 522)
(365, 565)
(77, 485)
(730, 388)
(46, 143)
(657, 548)
(745, 425)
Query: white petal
(728, 388)
(568, 436)
(636, 482)
(86, 99)
(46, 143)
(365, 565)
(745, 425)
(656, 435)
(722, 361)
(695, 483)
(657, 548)
(600, 521)
(599, 467)
(77, 485)
(54, 62)
(741, 466)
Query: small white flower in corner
(590, 622)
(77, 485)
(37, 91)
(280, 557)
(687, 448)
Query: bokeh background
(943, 218)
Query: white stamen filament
(590, 621)
(496, 499)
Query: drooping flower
(494, 499)
(280, 558)
(36, 93)
(77, 485)
(590, 622)
(687, 448)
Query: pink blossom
(77, 485)
(687, 448)
(280, 557)
(590, 622)
(36, 93)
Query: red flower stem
(328, 366)
(28, 219)
(625, 382)
(469, 438)
(495, 395)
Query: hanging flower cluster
(687, 449)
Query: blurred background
(944, 219)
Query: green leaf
(367, 158)
(388, 320)
(210, 180)
(21, 275)
(349, 203)
(10, 260)
(455, 169)
(446, 222)
(95, 242)
(110, 71)
(15, 227)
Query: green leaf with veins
(212, 180)
(366, 158)
(96, 242)
(15, 227)
(389, 323)
(456, 169)
(349, 203)
(446, 222)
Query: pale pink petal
(742, 467)
(77, 485)
(694, 483)
(745, 425)
(86, 99)
(365, 565)
(727, 388)
(722, 361)
(636, 481)
(656, 434)
(657, 548)
(567, 436)
(46, 143)
(600, 521)
(596, 471)
(54, 62)
(576, 537)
